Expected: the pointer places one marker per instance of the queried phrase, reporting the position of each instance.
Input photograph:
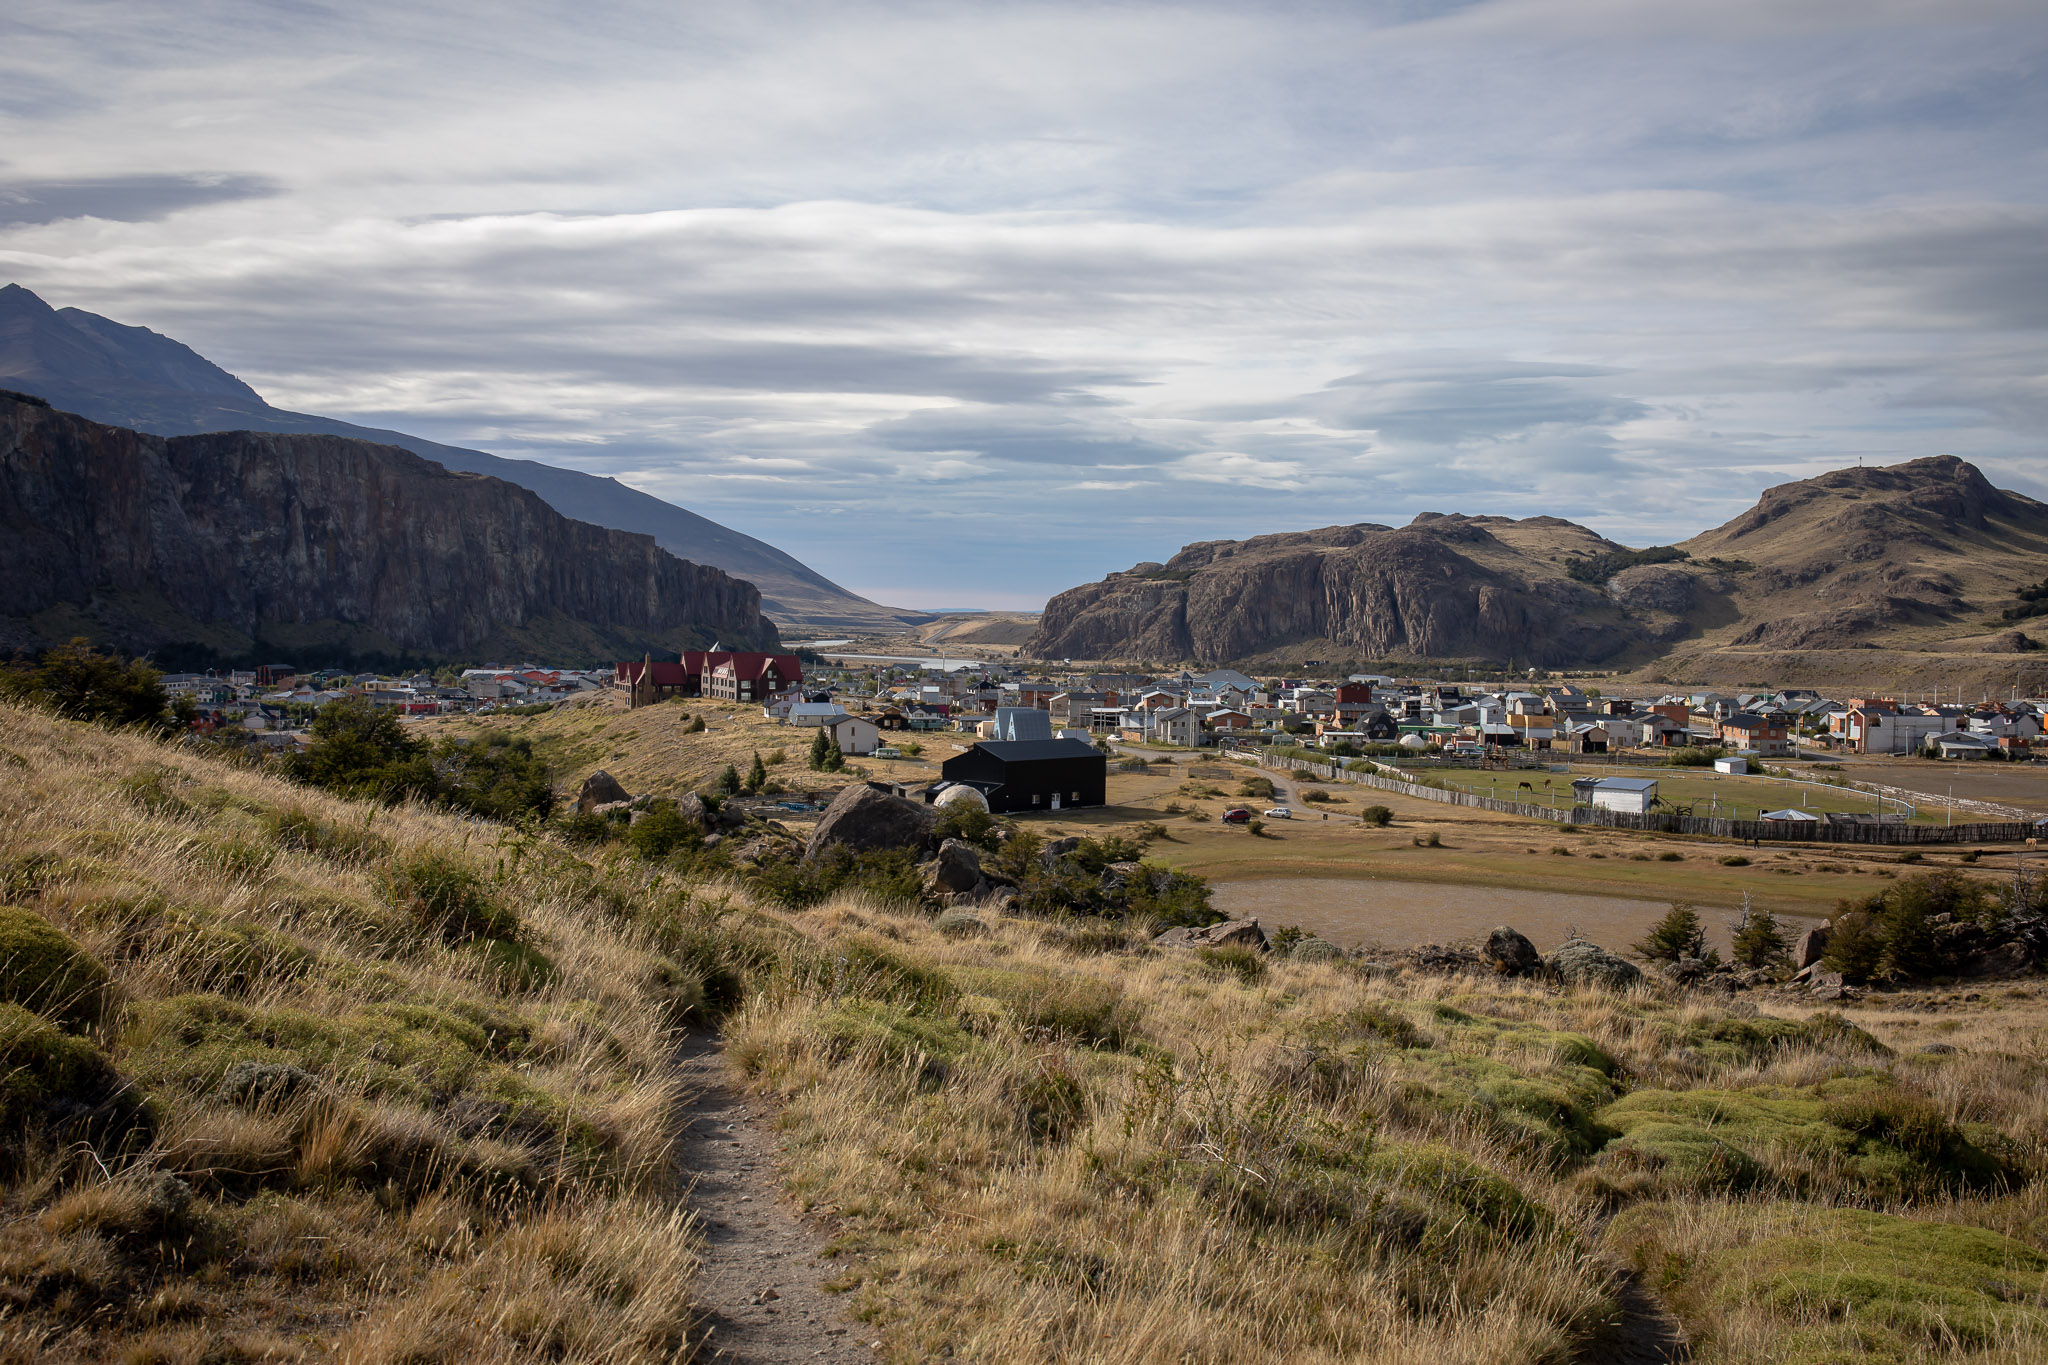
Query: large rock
(1509, 953)
(956, 869)
(867, 819)
(1231, 933)
(600, 789)
(1811, 947)
(1579, 963)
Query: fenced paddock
(1744, 831)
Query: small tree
(80, 683)
(1855, 945)
(1759, 942)
(757, 774)
(728, 783)
(1677, 934)
(821, 744)
(695, 727)
(1376, 815)
(835, 757)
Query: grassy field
(304, 1079)
(1477, 847)
(1705, 791)
(651, 749)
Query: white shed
(1736, 765)
(1632, 795)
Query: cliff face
(1445, 587)
(320, 541)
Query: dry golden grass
(1031, 1149)
(463, 1169)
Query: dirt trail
(759, 1288)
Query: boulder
(1049, 856)
(1231, 933)
(600, 789)
(1509, 953)
(960, 794)
(1579, 963)
(956, 869)
(692, 808)
(732, 815)
(608, 809)
(1686, 971)
(2007, 959)
(1827, 985)
(1316, 950)
(866, 818)
(1811, 946)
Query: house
(1532, 730)
(1228, 719)
(815, 712)
(1737, 766)
(1961, 744)
(1758, 734)
(1029, 775)
(1177, 726)
(1632, 795)
(854, 736)
(1582, 737)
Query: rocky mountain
(1917, 555)
(133, 377)
(323, 549)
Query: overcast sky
(965, 304)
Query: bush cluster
(362, 751)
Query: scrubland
(293, 1077)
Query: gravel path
(759, 1288)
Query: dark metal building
(1033, 774)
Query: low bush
(43, 971)
(445, 894)
(1376, 815)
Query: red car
(1236, 815)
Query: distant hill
(1922, 555)
(317, 549)
(133, 377)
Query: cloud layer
(966, 304)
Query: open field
(2022, 785)
(651, 749)
(1705, 791)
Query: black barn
(1033, 774)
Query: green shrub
(445, 894)
(1677, 934)
(968, 823)
(294, 830)
(1248, 965)
(662, 830)
(1733, 860)
(44, 971)
(79, 683)
(1376, 815)
(1758, 941)
(514, 966)
(1856, 947)
(1669, 857)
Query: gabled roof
(1031, 750)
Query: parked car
(1236, 815)
(1279, 813)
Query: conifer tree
(757, 775)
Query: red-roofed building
(733, 675)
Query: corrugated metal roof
(1027, 750)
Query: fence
(1747, 831)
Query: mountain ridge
(131, 376)
(1909, 556)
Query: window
(1036, 798)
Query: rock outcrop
(600, 789)
(865, 818)
(320, 549)
(1231, 933)
(1510, 953)
(1577, 962)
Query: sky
(964, 304)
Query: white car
(1279, 813)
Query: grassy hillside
(294, 1078)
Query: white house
(1177, 725)
(854, 736)
(815, 712)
